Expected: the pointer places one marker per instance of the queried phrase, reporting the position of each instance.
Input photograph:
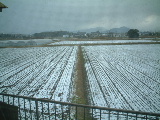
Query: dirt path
(80, 86)
(80, 79)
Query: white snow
(98, 42)
(31, 42)
(119, 76)
(42, 72)
(127, 76)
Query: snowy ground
(39, 72)
(118, 76)
(98, 42)
(124, 77)
(32, 42)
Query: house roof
(2, 5)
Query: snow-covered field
(41, 72)
(124, 76)
(32, 42)
(118, 76)
(36, 42)
(98, 42)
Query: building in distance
(2, 6)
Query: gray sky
(30, 16)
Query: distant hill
(119, 30)
(100, 29)
(104, 30)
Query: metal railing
(45, 109)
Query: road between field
(80, 85)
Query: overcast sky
(30, 16)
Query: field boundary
(91, 44)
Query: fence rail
(45, 109)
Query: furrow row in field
(20, 63)
(46, 75)
(133, 60)
(31, 64)
(28, 59)
(93, 85)
(140, 65)
(149, 57)
(39, 78)
(112, 94)
(149, 73)
(55, 76)
(123, 77)
(140, 91)
(43, 73)
(151, 79)
(139, 75)
(18, 56)
(65, 81)
(103, 92)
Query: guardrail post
(42, 110)
(30, 108)
(76, 113)
(117, 115)
(55, 110)
(146, 117)
(3, 98)
(24, 107)
(13, 100)
(156, 118)
(8, 99)
(36, 102)
(19, 110)
(109, 115)
(84, 114)
(92, 113)
(48, 111)
(127, 115)
(69, 112)
(100, 114)
(136, 116)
